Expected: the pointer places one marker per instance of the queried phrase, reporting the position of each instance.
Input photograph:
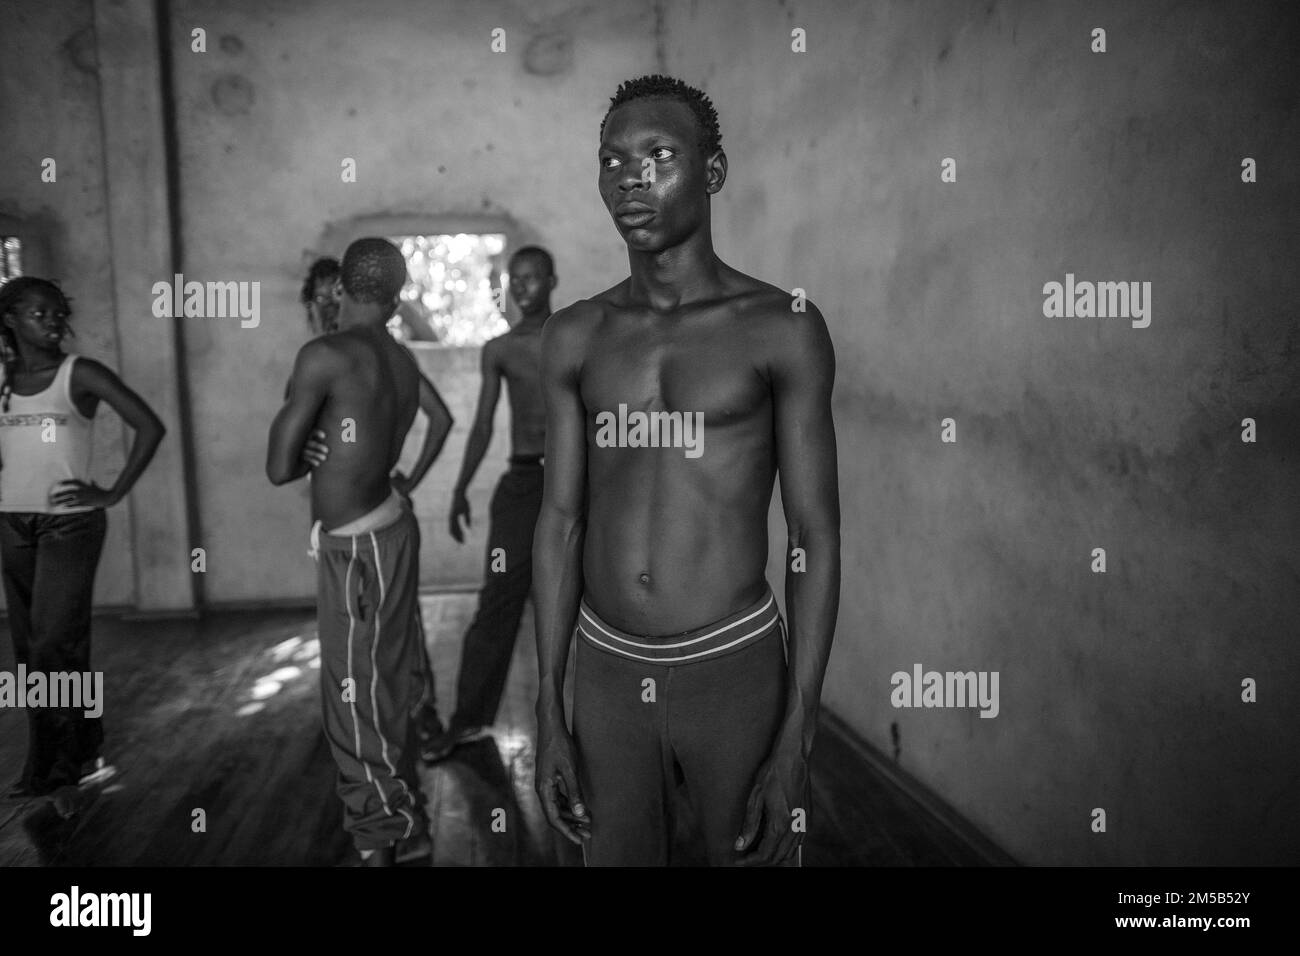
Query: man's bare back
(673, 541)
(352, 397)
(361, 388)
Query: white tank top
(44, 440)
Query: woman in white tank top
(52, 520)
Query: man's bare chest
(707, 373)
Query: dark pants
(490, 640)
(374, 673)
(49, 564)
(650, 734)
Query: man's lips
(633, 214)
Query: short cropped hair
(373, 270)
(537, 251)
(667, 88)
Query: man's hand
(401, 484)
(459, 512)
(780, 787)
(79, 494)
(314, 449)
(557, 784)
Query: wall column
(140, 249)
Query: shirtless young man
(320, 294)
(673, 399)
(515, 358)
(361, 388)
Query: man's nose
(631, 179)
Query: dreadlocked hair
(11, 293)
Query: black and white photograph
(542, 435)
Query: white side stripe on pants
(352, 681)
(374, 684)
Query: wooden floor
(222, 716)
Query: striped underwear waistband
(713, 640)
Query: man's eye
(661, 149)
(608, 162)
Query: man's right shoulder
(580, 317)
(568, 332)
(325, 353)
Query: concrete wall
(443, 562)
(142, 251)
(49, 107)
(1118, 690)
(438, 125)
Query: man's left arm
(437, 427)
(803, 374)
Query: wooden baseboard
(105, 610)
(921, 795)
(309, 603)
(173, 614)
(469, 588)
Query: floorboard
(213, 727)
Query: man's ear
(551, 283)
(715, 171)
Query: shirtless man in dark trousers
(514, 358)
(362, 389)
(321, 291)
(673, 400)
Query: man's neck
(671, 277)
(363, 316)
(532, 321)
